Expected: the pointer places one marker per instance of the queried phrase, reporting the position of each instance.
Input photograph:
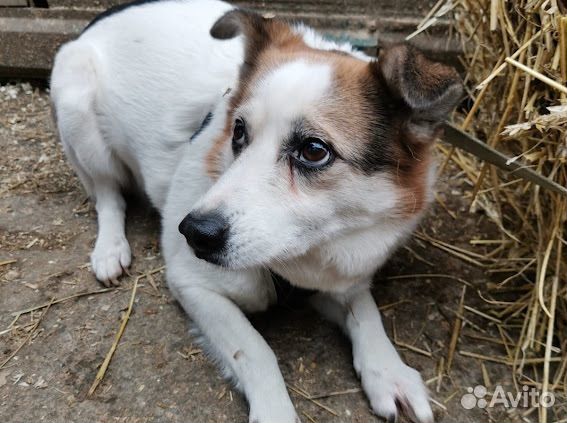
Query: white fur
(129, 93)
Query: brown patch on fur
(394, 109)
(268, 43)
(369, 132)
(422, 95)
(412, 178)
(213, 158)
(349, 112)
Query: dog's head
(317, 144)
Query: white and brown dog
(266, 148)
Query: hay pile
(515, 57)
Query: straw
(102, 371)
(515, 53)
(125, 318)
(554, 84)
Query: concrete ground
(47, 229)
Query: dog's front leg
(387, 381)
(243, 354)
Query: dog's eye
(239, 136)
(314, 153)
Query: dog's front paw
(395, 388)
(110, 258)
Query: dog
(265, 148)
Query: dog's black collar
(289, 295)
(204, 124)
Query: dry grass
(515, 55)
(126, 316)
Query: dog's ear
(259, 32)
(427, 91)
(239, 21)
(256, 29)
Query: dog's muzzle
(207, 234)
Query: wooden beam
(30, 36)
(14, 3)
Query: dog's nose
(206, 233)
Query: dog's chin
(217, 259)
(239, 260)
(227, 261)
(223, 260)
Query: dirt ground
(47, 229)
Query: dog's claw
(392, 418)
(109, 259)
(392, 390)
(106, 284)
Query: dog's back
(139, 82)
(127, 96)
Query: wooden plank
(85, 4)
(29, 37)
(14, 3)
(301, 7)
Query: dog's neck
(337, 264)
